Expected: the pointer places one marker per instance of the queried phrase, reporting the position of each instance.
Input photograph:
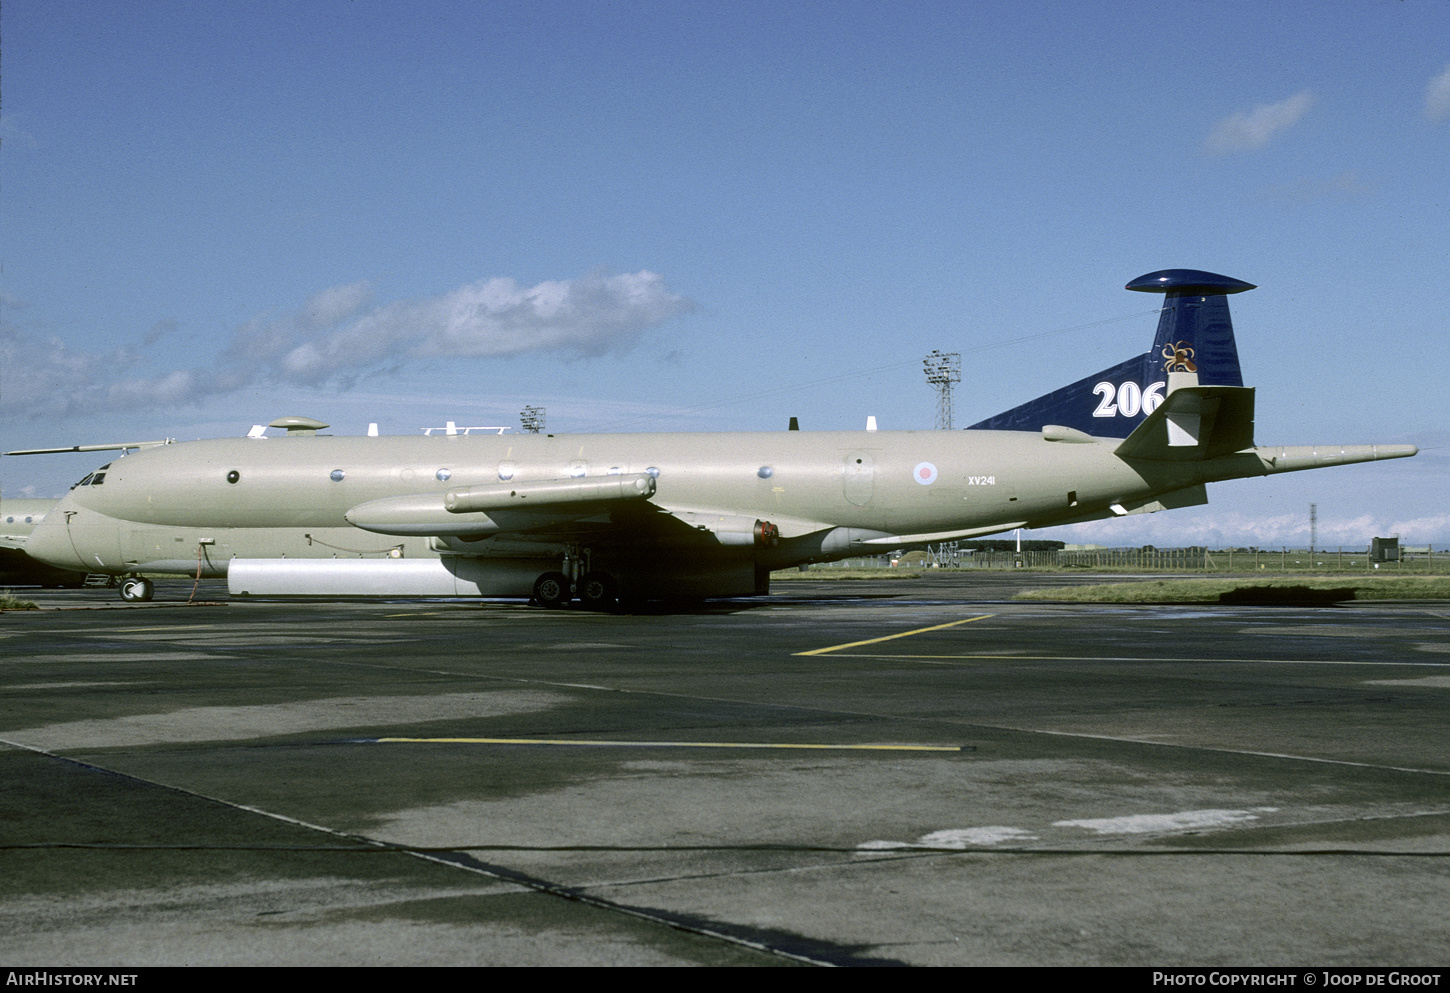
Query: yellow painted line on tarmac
(890, 637)
(666, 744)
(1128, 658)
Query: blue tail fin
(1195, 337)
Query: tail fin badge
(1195, 337)
(1180, 358)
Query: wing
(564, 510)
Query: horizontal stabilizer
(1195, 423)
(1292, 458)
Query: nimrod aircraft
(607, 516)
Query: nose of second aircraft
(50, 543)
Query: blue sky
(671, 216)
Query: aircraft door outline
(858, 480)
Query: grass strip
(846, 574)
(1211, 590)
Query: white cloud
(1222, 529)
(1437, 98)
(39, 374)
(494, 318)
(1414, 529)
(1247, 131)
(180, 386)
(338, 334)
(337, 304)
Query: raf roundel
(924, 473)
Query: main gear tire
(552, 590)
(598, 590)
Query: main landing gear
(596, 590)
(137, 589)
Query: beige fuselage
(197, 505)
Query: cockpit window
(94, 478)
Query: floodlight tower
(532, 419)
(942, 370)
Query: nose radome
(50, 544)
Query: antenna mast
(942, 370)
(532, 419)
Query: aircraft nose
(49, 543)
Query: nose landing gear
(137, 589)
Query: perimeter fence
(1423, 561)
